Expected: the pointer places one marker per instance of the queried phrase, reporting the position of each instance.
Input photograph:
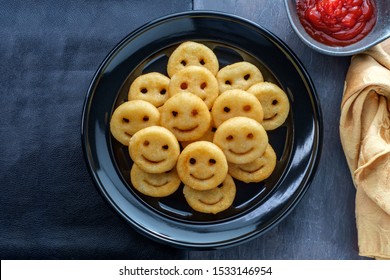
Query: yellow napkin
(365, 137)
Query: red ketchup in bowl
(337, 22)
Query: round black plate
(257, 206)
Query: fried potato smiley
(155, 185)
(241, 139)
(197, 80)
(186, 116)
(151, 87)
(275, 103)
(130, 117)
(154, 149)
(192, 53)
(239, 75)
(211, 201)
(234, 103)
(257, 170)
(202, 165)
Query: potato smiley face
(130, 117)
(241, 139)
(186, 116)
(240, 75)
(234, 103)
(275, 103)
(151, 87)
(202, 165)
(154, 149)
(154, 185)
(197, 80)
(257, 170)
(192, 53)
(211, 201)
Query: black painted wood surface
(323, 225)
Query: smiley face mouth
(186, 130)
(211, 203)
(152, 161)
(241, 153)
(155, 185)
(270, 118)
(202, 179)
(251, 171)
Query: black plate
(258, 206)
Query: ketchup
(337, 22)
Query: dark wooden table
(322, 226)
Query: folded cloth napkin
(365, 137)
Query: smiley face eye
(163, 91)
(229, 138)
(125, 120)
(192, 161)
(274, 102)
(203, 85)
(174, 113)
(165, 147)
(194, 112)
(145, 118)
(184, 86)
(202, 62)
(183, 62)
(226, 109)
(146, 143)
(246, 77)
(250, 136)
(247, 108)
(212, 161)
(144, 90)
(227, 82)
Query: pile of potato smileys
(201, 126)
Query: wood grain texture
(322, 226)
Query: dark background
(49, 207)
